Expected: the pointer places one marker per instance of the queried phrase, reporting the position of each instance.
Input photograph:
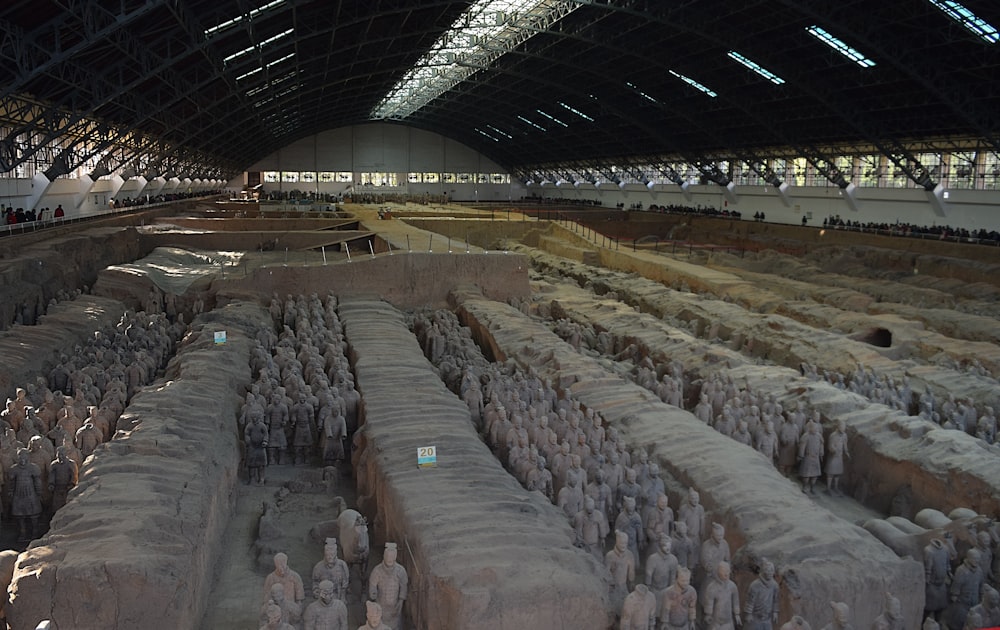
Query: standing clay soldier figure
(788, 444)
(810, 458)
(333, 569)
(286, 577)
(327, 612)
(762, 600)
(965, 589)
(679, 603)
(387, 586)
(63, 476)
(692, 513)
(836, 453)
(628, 521)
(713, 551)
(937, 567)
(24, 483)
(639, 610)
(373, 618)
(591, 528)
(621, 565)
(661, 570)
(892, 618)
(721, 601)
(841, 615)
(333, 431)
(302, 438)
(682, 546)
(277, 416)
(255, 436)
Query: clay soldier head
(389, 555)
(662, 502)
(767, 571)
(629, 505)
(718, 532)
(330, 551)
(621, 541)
(693, 497)
(683, 579)
(373, 614)
(841, 613)
(280, 563)
(588, 505)
(722, 571)
(665, 544)
(326, 592)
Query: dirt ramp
(481, 552)
(135, 546)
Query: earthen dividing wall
(481, 551)
(946, 469)
(136, 545)
(819, 558)
(407, 280)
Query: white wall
(971, 209)
(386, 148)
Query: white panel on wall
(335, 150)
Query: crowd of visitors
(942, 232)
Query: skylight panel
(501, 132)
(215, 30)
(753, 65)
(840, 46)
(487, 30)
(698, 86)
(486, 134)
(973, 23)
(575, 111)
(257, 47)
(642, 94)
(536, 126)
(552, 118)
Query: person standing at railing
(59, 212)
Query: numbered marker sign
(220, 337)
(427, 457)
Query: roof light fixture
(977, 25)
(698, 86)
(641, 93)
(523, 119)
(552, 118)
(753, 65)
(215, 30)
(840, 46)
(575, 111)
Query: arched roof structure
(211, 86)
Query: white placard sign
(220, 336)
(427, 457)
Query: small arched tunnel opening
(878, 337)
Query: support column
(40, 185)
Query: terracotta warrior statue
(836, 453)
(679, 603)
(639, 610)
(762, 600)
(387, 586)
(287, 577)
(621, 565)
(327, 612)
(333, 569)
(721, 601)
(24, 484)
